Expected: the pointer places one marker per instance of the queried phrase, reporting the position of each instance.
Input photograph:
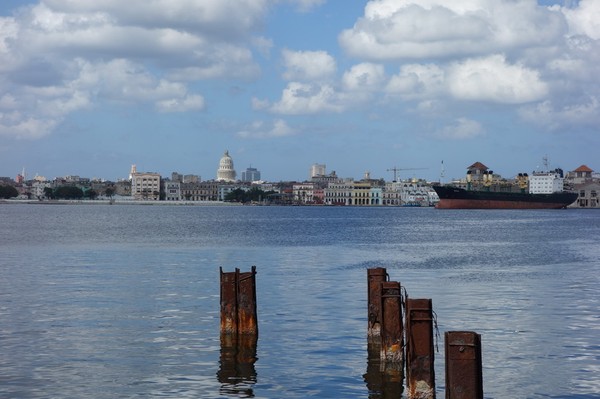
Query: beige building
(588, 196)
(145, 186)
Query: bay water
(122, 301)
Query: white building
(172, 191)
(317, 170)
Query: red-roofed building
(477, 170)
(582, 174)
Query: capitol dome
(226, 171)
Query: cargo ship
(544, 190)
(459, 198)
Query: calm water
(123, 301)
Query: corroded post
(391, 327)
(420, 373)
(463, 365)
(238, 302)
(229, 312)
(247, 318)
(375, 277)
(239, 332)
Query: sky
(90, 87)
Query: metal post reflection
(237, 373)
(383, 380)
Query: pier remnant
(375, 277)
(463, 365)
(238, 303)
(239, 332)
(420, 373)
(392, 340)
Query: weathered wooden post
(464, 378)
(375, 277)
(392, 350)
(420, 373)
(238, 302)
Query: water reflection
(384, 381)
(237, 373)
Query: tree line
(62, 192)
(255, 194)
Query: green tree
(68, 192)
(8, 192)
(237, 195)
(109, 192)
(91, 194)
(48, 192)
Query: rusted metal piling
(375, 277)
(239, 332)
(464, 378)
(392, 340)
(238, 303)
(420, 373)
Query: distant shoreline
(119, 202)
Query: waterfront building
(172, 190)
(251, 174)
(145, 186)
(226, 171)
(365, 194)
(588, 195)
(339, 192)
(477, 171)
(303, 193)
(202, 191)
(582, 174)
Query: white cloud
(188, 103)
(307, 5)
(261, 130)
(18, 126)
(302, 98)
(308, 65)
(258, 104)
(584, 19)
(493, 79)
(461, 129)
(400, 29)
(563, 117)
(61, 56)
(365, 76)
(418, 80)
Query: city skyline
(90, 89)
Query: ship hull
(458, 198)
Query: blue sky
(91, 87)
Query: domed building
(226, 171)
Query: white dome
(226, 171)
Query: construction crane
(396, 170)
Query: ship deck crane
(396, 170)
